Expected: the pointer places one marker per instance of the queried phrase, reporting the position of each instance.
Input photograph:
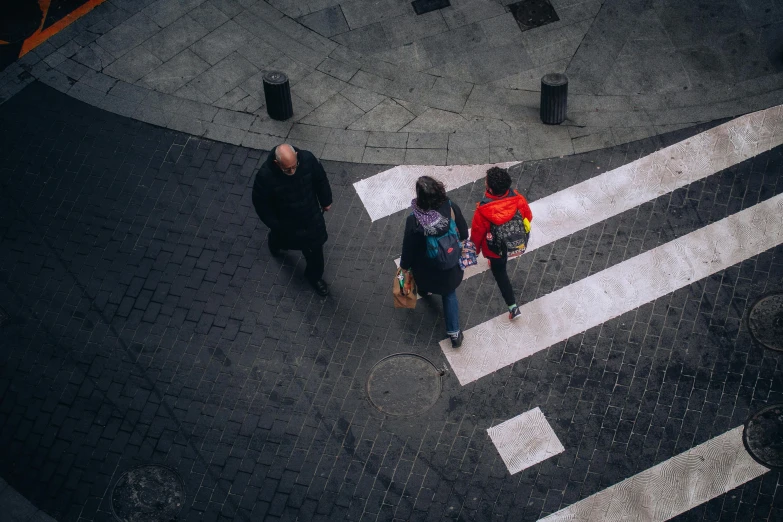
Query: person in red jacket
(499, 206)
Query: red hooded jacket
(499, 210)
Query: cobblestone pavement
(373, 82)
(149, 324)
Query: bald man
(290, 194)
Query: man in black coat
(290, 195)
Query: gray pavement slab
(174, 73)
(221, 42)
(384, 155)
(222, 77)
(133, 65)
(326, 22)
(174, 38)
(387, 116)
(127, 35)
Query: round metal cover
(763, 436)
(766, 321)
(148, 494)
(404, 384)
(275, 77)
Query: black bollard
(554, 98)
(277, 93)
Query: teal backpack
(446, 249)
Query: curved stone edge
(18, 508)
(442, 138)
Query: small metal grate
(148, 494)
(766, 321)
(763, 436)
(425, 6)
(533, 13)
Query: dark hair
(430, 193)
(498, 181)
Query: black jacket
(291, 205)
(414, 255)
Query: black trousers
(314, 257)
(498, 267)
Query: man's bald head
(286, 158)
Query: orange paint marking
(41, 35)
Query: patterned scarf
(430, 220)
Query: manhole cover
(404, 384)
(763, 436)
(533, 13)
(766, 321)
(148, 494)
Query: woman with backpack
(431, 248)
(500, 230)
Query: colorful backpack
(509, 239)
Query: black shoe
(456, 340)
(514, 313)
(276, 252)
(321, 288)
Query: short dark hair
(430, 193)
(498, 181)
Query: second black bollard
(554, 98)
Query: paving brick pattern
(149, 324)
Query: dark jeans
(451, 312)
(498, 267)
(314, 257)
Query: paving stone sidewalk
(149, 324)
(374, 83)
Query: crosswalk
(697, 475)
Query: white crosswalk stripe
(672, 487)
(525, 440)
(613, 192)
(616, 290)
(392, 190)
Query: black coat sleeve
(408, 244)
(263, 202)
(459, 219)
(321, 184)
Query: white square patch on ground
(525, 440)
